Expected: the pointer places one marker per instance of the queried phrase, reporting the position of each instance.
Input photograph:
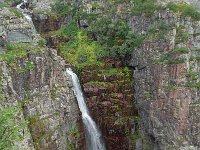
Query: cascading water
(93, 136)
(22, 7)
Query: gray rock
(17, 36)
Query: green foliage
(69, 31)
(115, 36)
(29, 65)
(9, 129)
(195, 58)
(16, 12)
(134, 137)
(7, 3)
(147, 7)
(15, 51)
(38, 130)
(60, 8)
(131, 42)
(42, 43)
(90, 17)
(10, 57)
(158, 31)
(1, 90)
(181, 35)
(74, 136)
(193, 75)
(181, 50)
(193, 85)
(168, 59)
(2, 5)
(80, 52)
(114, 72)
(185, 10)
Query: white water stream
(26, 13)
(93, 135)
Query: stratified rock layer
(167, 82)
(109, 97)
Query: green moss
(10, 57)
(147, 7)
(74, 135)
(185, 10)
(7, 3)
(29, 65)
(11, 127)
(38, 130)
(1, 91)
(134, 137)
(55, 91)
(42, 43)
(106, 84)
(16, 51)
(16, 12)
(168, 59)
(181, 50)
(115, 71)
(148, 95)
(69, 31)
(158, 31)
(181, 35)
(195, 58)
(60, 9)
(171, 87)
(80, 52)
(2, 5)
(193, 75)
(193, 85)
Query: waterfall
(27, 14)
(93, 135)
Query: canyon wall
(163, 84)
(34, 76)
(167, 81)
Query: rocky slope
(35, 77)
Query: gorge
(137, 63)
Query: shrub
(131, 42)
(16, 12)
(10, 131)
(60, 8)
(185, 10)
(192, 74)
(69, 31)
(147, 7)
(181, 50)
(115, 37)
(181, 35)
(81, 51)
(41, 42)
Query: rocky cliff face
(165, 74)
(167, 81)
(108, 91)
(35, 77)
